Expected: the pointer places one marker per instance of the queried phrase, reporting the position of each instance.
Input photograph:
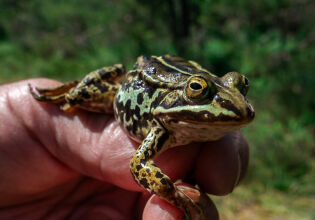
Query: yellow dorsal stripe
(173, 67)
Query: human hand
(57, 165)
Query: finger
(157, 208)
(41, 136)
(26, 167)
(222, 164)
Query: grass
(246, 204)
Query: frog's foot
(53, 95)
(200, 206)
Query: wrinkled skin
(55, 165)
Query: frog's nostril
(252, 114)
(250, 111)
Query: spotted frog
(162, 102)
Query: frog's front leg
(149, 176)
(95, 92)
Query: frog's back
(137, 97)
(134, 101)
(169, 68)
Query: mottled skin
(163, 102)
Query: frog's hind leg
(95, 92)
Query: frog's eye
(236, 80)
(196, 88)
(243, 85)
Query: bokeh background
(270, 41)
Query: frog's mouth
(203, 115)
(222, 121)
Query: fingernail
(239, 168)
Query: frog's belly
(185, 133)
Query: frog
(162, 102)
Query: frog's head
(210, 101)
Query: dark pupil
(195, 86)
(246, 81)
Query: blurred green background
(271, 42)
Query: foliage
(271, 42)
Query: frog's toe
(39, 95)
(201, 206)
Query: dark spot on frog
(84, 94)
(150, 92)
(156, 101)
(118, 97)
(158, 175)
(102, 88)
(152, 152)
(121, 116)
(161, 140)
(157, 131)
(163, 181)
(134, 128)
(144, 182)
(88, 81)
(137, 111)
(149, 117)
(74, 101)
(140, 98)
(227, 104)
(120, 71)
(133, 73)
(102, 73)
(138, 167)
(127, 107)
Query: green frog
(162, 102)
